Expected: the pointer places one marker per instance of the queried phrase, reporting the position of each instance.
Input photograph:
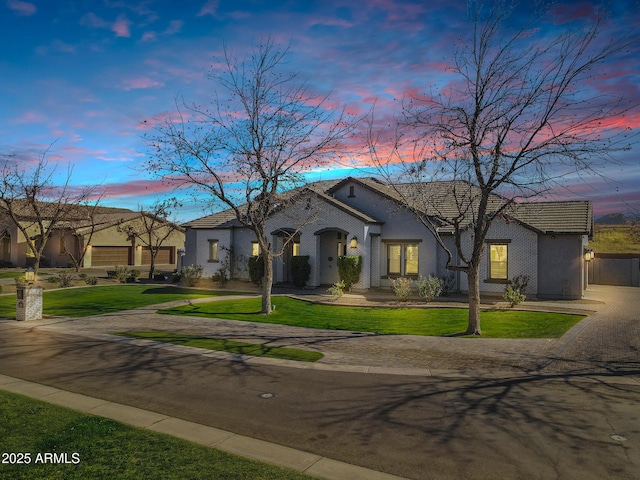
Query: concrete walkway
(606, 342)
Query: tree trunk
(267, 282)
(152, 264)
(473, 328)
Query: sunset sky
(84, 75)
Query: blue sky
(85, 74)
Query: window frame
(403, 260)
(492, 268)
(214, 249)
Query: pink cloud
(93, 21)
(140, 83)
(174, 27)
(149, 36)
(24, 9)
(136, 188)
(122, 27)
(31, 117)
(209, 8)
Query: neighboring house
(103, 237)
(362, 216)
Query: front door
(332, 245)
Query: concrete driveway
(456, 408)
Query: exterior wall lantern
(30, 275)
(354, 242)
(588, 255)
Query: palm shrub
(349, 268)
(336, 290)
(300, 270)
(429, 288)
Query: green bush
(65, 280)
(448, 282)
(220, 277)
(429, 288)
(336, 290)
(300, 270)
(91, 280)
(513, 296)
(191, 275)
(349, 268)
(402, 288)
(256, 269)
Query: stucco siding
(522, 253)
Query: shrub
(300, 270)
(53, 279)
(65, 280)
(91, 280)
(176, 276)
(191, 275)
(111, 273)
(336, 290)
(220, 277)
(82, 276)
(429, 288)
(448, 282)
(519, 283)
(21, 281)
(134, 273)
(349, 268)
(121, 274)
(256, 269)
(513, 296)
(159, 277)
(402, 288)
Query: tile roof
(441, 199)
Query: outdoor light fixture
(30, 275)
(354, 242)
(588, 255)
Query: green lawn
(108, 449)
(399, 321)
(230, 346)
(80, 302)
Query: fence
(621, 269)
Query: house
(100, 232)
(362, 216)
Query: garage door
(107, 256)
(162, 258)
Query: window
(352, 191)
(296, 249)
(255, 249)
(411, 259)
(62, 247)
(498, 254)
(213, 250)
(402, 259)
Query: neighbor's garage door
(162, 258)
(105, 256)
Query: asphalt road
(566, 425)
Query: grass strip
(397, 321)
(108, 449)
(86, 301)
(229, 346)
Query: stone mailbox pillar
(28, 302)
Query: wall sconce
(588, 255)
(354, 242)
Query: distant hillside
(614, 219)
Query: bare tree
(85, 217)
(520, 116)
(152, 228)
(34, 204)
(264, 129)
